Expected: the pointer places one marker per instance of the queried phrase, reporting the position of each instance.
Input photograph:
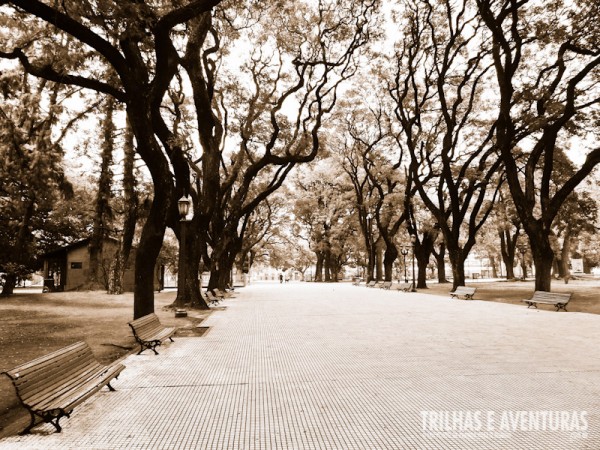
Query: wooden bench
(212, 298)
(222, 294)
(150, 333)
(559, 300)
(404, 287)
(50, 387)
(467, 292)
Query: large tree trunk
(379, 259)
(507, 250)
(543, 257)
(565, 256)
(422, 257)
(189, 291)
(422, 251)
(494, 265)
(130, 200)
(541, 250)
(390, 256)
(440, 261)
(319, 267)
(10, 281)
(327, 265)
(457, 262)
(102, 213)
(370, 263)
(154, 229)
(147, 253)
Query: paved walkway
(324, 366)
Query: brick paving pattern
(335, 366)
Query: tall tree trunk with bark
(440, 261)
(130, 206)
(102, 211)
(390, 256)
(508, 245)
(319, 266)
(457, 261)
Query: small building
(67, 268)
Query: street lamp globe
(183, 204)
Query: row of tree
(474, 112)
(224, 99)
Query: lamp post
(413, 240)
(404, 252)
(183, 205)
(523, 249)
(370, 262)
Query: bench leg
(144, 347)
(560, 306)
(153, 348)
(48, 418)
(54, 421)
(30, 426)
(530, 304)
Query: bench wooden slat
(49, 359)
(41, 374)
(150, 333)
(52, 385)
(58, 387)
(35, 394)
(467, 291)
(405, 287)
(74, 397)
(557, 299)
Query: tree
(31, 171)
(138, 42)
(509, 229)
(103, 213)
(324, 207)
(441, 70)
(147, 47)
(372, 139)
(578, 214)
(294, 77)
(129, 212)
(547, 62)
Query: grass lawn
(34, 324)
(586, 292)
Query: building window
(76, 265)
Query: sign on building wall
(576, 265)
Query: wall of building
(78, 267)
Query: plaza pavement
(335, 366)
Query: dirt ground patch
(34, 324)
(585, 298)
